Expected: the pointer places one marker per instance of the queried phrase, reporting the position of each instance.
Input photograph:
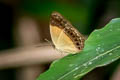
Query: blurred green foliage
(74, 11)
(84, 14)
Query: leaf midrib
(89, 61)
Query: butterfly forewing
(64, 36)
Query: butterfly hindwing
(61, 41)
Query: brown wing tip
(56, 16)
(56, 19)
(55, 13)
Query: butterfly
(65, 37)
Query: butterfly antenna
(49, 42)
(44, 44)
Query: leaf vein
(89, 61)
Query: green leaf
(101, 48)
